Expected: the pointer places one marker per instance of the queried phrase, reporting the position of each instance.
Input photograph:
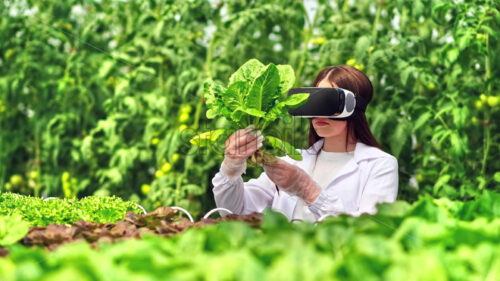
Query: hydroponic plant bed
(432, 239)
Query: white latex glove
(239, 146)
(293, 180)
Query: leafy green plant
(452, 239)
(110, 91)
(255, 96)
(12, 229)
(37, 212)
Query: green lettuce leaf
(248, 72)
(255, 95)
(284, 147)
(234, 96)
(287, 77)
(280, 109)
(213, 93)
(241, 111)
(264, 91)
(12, 229)
(204, 139)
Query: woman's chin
(322, 135)
(322, 131)
(327, 133)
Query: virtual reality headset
(332, 103)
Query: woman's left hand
(293, 180)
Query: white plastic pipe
(215, 210)
(184, 211)
(142, 208)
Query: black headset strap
(360, 103)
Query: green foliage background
(101, 97)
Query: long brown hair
(349, 78)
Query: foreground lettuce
(12, 229)
(432, 239)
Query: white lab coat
(370, 177)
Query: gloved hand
(239, 146)
(293, 180)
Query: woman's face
(325, 127)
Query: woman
(343, 171)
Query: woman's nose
(320, 119)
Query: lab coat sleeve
(381, 187)
(243, 197)
(326, 205)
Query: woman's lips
(320, 123)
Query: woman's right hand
(243, 143)
(239, 146)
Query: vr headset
(332, 103)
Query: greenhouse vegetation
(101, 103)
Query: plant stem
(208, 60)
(37, 163)
(197, 113)
(178, 183)
(2, 160)
(403, 19)
(487, 115)
(307, 37)
(161, 84)
(488, 65)
(487, 142)
(345, 6)
(375, 23)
